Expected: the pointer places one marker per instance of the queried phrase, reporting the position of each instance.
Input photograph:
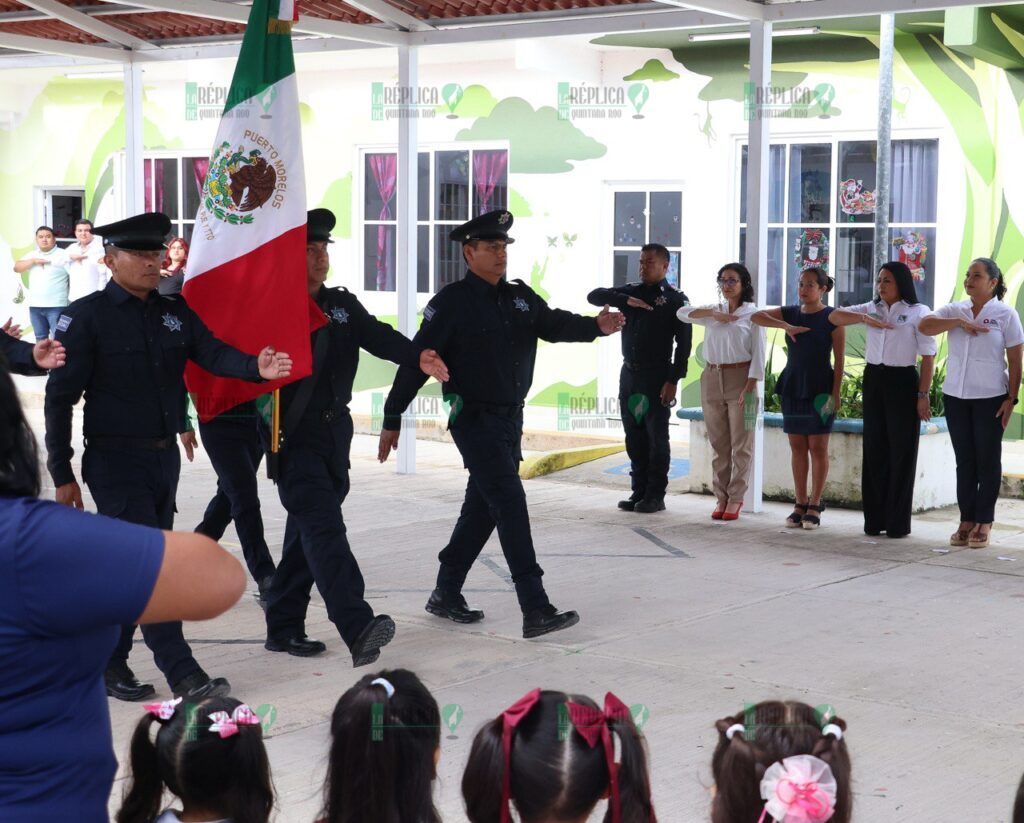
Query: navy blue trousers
(139, 486)
(645, 421)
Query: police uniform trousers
(138, 486)
(312, 484)
(488, 438)
(730, 430)
(233, 444)
(892, 431)
(645, 422)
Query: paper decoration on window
(811, 249)
(913, 249)
(854, 200)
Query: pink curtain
(200, 166)
(488, 169)
(385, 175)
(147, 177)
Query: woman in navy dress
(68, 581)
(809, 388)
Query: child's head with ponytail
(552, 755)
(778, 756)
(385, 744)
(208, 753)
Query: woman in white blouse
(979, 392)
(734, 356)
(895, 397)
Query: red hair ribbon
(510, 718)
(593, 726)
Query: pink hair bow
(164, 710)
(226, 724)
(800, 789)
(593, 725)
(510, 718)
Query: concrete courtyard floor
(917, 646)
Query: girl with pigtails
(781, 762)
(552, 755)
(209, 754)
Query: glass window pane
(66, 209)
(630, 218)
(423, 186)
(380, 179)
(626, 267)
(449, 264)
(916, 248)
(915, 181)
(490, 181)
(147, 176)
(672, 277)
(776, 189)
(423, 259)
(810, 181)
(775, 269)
(451, 185)
(195, 169)
(857, 182)
(666, 218)
(854, 264)
(808, 246)
(379, 258)
(165, 187)
(186, 232)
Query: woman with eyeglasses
(809, 388)
(982, 385)
(734, 357)
(895, 396)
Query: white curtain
(914, 181)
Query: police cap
(319, 223)
(143, 232)
(491, 226)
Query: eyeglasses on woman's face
(729, 283)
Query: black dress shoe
(650, 504)
(200, 685)
(263, 585)
(122, 684)
(452, 606)
(377, 634)
(547, 619)
(296, 646)
(630, 503)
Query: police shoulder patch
(63, 322)
(429, 312)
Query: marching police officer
(650, 373)
(232, 440)
(126, 351)
(25, 358)
(487, 329)
(313, 467)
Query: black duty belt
(503, 409)
(146, 443)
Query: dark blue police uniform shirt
(18, 355)
(68, 581)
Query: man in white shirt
(47, 282)
(86, 272)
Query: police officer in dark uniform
(313, 467)
(25, 358)
(650, 373)
(126, 351)
(486, 328)
(232, 440)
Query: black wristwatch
(1014, 400)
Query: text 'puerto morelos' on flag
(246, 272)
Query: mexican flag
(246, 270)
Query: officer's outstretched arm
(560, 326)
(198, 580)
(616, 296)
(64, 388)
(382, 341)
(216, 356)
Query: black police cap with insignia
(143, 232)
(319, 223)
(491, 226)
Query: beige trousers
(731, 438)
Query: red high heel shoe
(732, 515)
(718, 513)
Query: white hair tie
(380, 681)
(733, 729)
(832, 729)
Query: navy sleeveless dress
(806, 383)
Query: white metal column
(887, 28)
(756, 251)
(134, 196)
(406, 198)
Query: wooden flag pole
(275, 435)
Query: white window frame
(181, 221)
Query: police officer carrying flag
(486, 328)
(313, 468)
(126, 351)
